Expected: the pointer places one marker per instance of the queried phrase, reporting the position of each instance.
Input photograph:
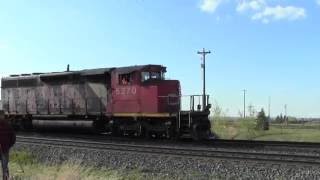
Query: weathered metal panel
(149, 98)
(55, 99)
(86, 91)
(21, 98)
(42, 100)
(31, 101)
(130, 69)
(138, 97)
(54, 76)
(96, 95)
(169, 96)
(125, 98)
(5, 99)
(68, 92)
(93, 72)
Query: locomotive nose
(169, 96)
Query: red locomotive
(135, 100)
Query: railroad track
(277, 158)
(211, 143)
(304, 145)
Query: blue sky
(271, 48)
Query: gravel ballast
(170, 166)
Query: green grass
(289, 134)
(245, 129)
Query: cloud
(280, 13)
(210, 6)
(259, 10)
(255, 5)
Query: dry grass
(23, 166)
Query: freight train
(133, 100)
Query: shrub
(262, 121)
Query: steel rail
(289, 144)
(209, 143)
(177, 151)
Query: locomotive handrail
(184, 95)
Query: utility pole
(285, 109)
(203, 66)
(285, 114)
(269, 106)
(250, 109)
(244, 103)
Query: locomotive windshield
(145, 76)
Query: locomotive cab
(147, 103)
(143, 91)
(167, 92)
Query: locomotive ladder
(184, 122)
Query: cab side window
(155, 75)
(152, 75)
(125, 79)
(145, 76)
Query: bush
(262, 121)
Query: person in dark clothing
(7, 140)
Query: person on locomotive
(125, 79)
(7, 140)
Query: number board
(126, 90)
